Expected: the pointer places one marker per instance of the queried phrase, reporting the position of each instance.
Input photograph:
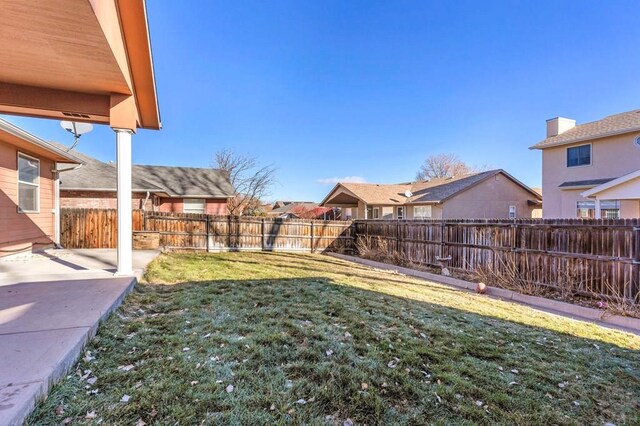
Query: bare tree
(250, 181)
(443, 165)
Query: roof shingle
(612, 125)
(95, 175)
(432, 191)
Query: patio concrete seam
(627, 324)
(44, 329)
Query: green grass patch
(308, 339)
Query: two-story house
(592, 170)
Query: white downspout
(56, 200)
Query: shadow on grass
(297, 350)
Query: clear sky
(368, 89)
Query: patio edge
(69, 359)
(602, 318)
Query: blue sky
(328, 89)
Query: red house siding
(24, 231)
(108, 200)
(99, 200)
(216, 206)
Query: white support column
(598, 212)
(125, 232)
(56, 206)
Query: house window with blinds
(193, 205)
(28, 184)
(421, 212)
(609, 209)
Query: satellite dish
(408, 193)
(76, 129)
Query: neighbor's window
(579, 156)
(387, 213)
(512, 212)
(609, 209)
(400, 214)
(375, 213)
(28, 184)
(421, 212)
(193, 205)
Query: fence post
(312, 250)
(206, 231)
(262, 245)
(229, 232)
(398, 236)
(442, 242)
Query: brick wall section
(108, 200)
(24, 231)
(99, 200)
(217, 206)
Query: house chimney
(559, 125)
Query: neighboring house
(154, 188)
(491, 194)
(29, 168)
(592, 170)
(300, 210)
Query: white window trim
(18, 182)
(566, 156)
(423, 217)
(202, 200)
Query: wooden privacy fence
(97, 228)
(594, 256)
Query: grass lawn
(266, 338)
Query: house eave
(541, 145)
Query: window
(422, 212)
(609, 209)
(193, 205)
(400, 213)
(375, 213)
(28, 184)
(512, 212)
(579, 156)
(387, 213)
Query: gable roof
(293, 205)
(96, 175)
(12, 133)
(611, 184)
(187, 181)
(616, 124)
(422, 192)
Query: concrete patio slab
(45, 322)
(57, 264)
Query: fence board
(97, 228)
(597, 256)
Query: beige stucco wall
(489, 199)
(611, 157)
